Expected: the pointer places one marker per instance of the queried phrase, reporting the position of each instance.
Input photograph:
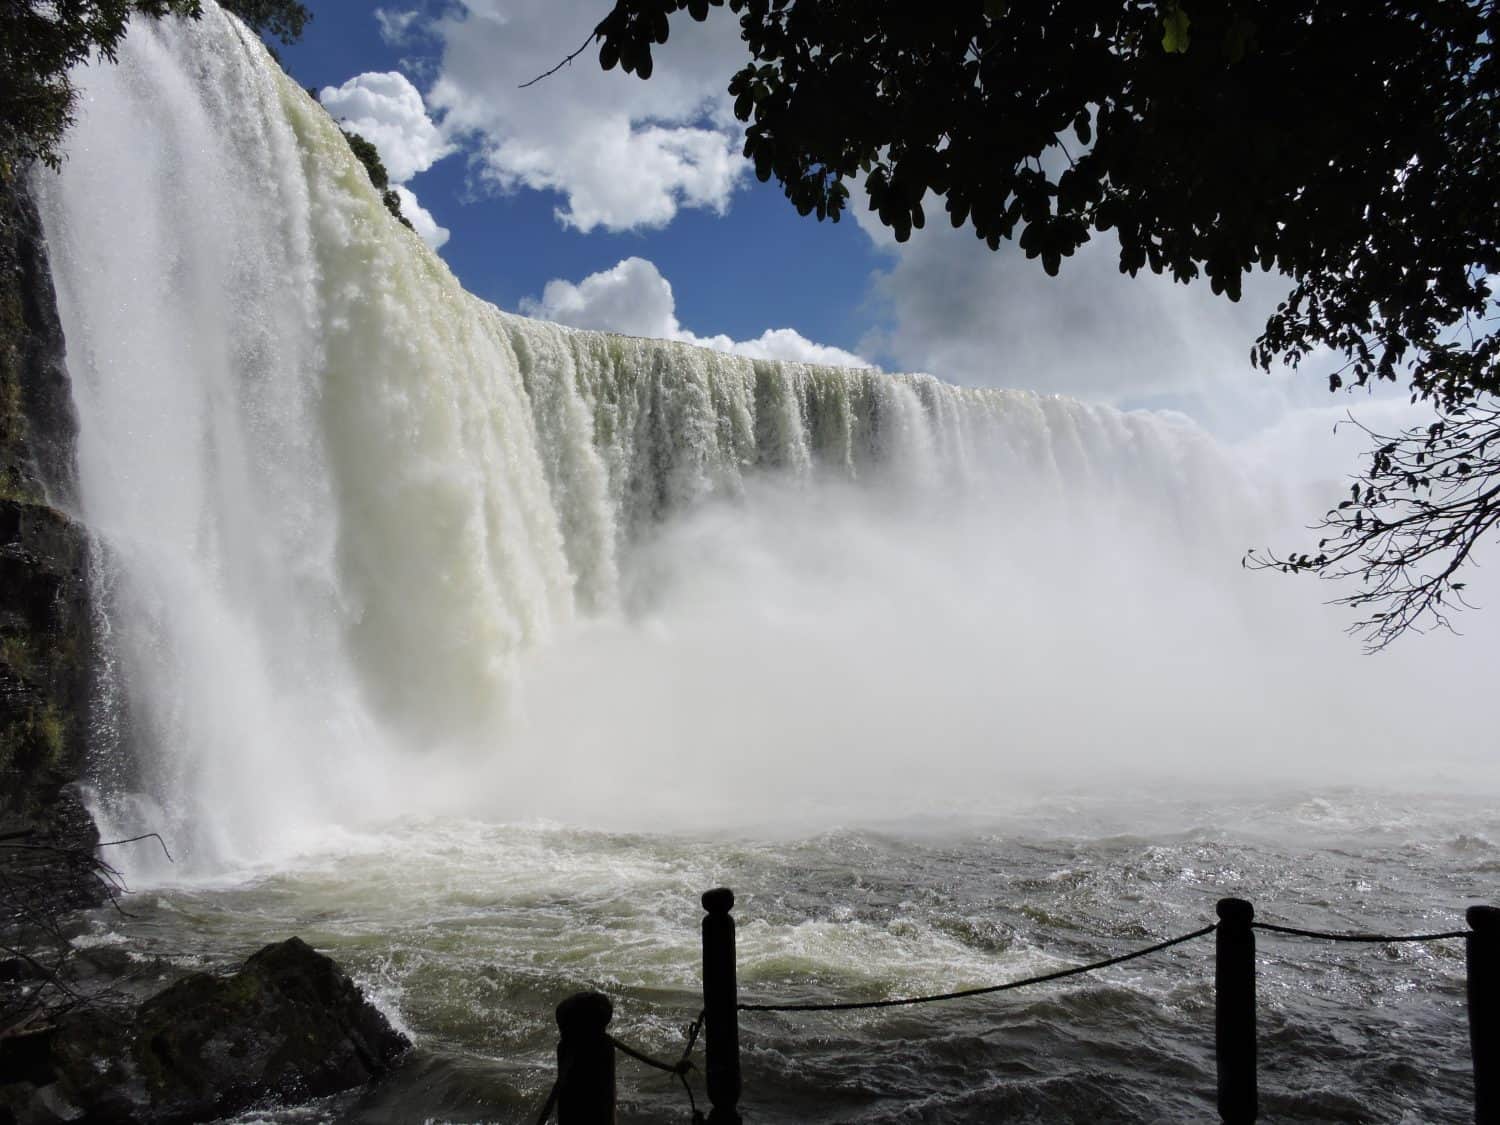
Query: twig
(135, 839)
(592, 36)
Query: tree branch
(548, 74)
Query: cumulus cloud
(386, 109)
(623, 153)
(421, 219)
(633, 298)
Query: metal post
(585, 1061)
(1484, 1010)
(1234, 1011)
(721, 1017)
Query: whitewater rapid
(351, 518)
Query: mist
(803, 658)
(373, 549)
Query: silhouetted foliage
(41, 39)
(369, 156)
(1411, 521)
(283, 20)
(1351, 146)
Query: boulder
(289, 1026)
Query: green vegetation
(13, 485)
(369, 156)
(16, 656)
(34, 743)
(50, 731)
(283, 20)
(1352, 147)
(41, 39)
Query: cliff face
(46, 634)
(38, 428)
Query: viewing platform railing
(584, 1093)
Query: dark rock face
(38, 425)
(46, 657)
(288, 1026)
(47, 653)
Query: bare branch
(548, 74)
(1411, 523)
(135, 839)
(39, 881)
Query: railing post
(1483, 956)
(1234, 1011)
(721, 1017)
(585, 1061)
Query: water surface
(468, 934)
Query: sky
(601, 201)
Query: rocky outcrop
(46, 635)
(46, 656)
(38, 425)
(289, 1026)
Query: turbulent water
(471, 931)
(472, 648)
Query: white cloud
(624, 153)
(421, 219)
(783, 343)
(633, 298)
(396, 25)
(386, 109)
(993, 318)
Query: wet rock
(289, 1026)
(38, 424)
(104, 964)
(19, 971)
(47, 650)
(46, 673)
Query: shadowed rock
(47, 642)
(289, 1026)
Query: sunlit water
(473, 649)
(469, 933)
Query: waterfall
(340, 501)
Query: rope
(550, 1103)
(1380, 938)
(684, 1064)
(1059, 975)
(679, 1068)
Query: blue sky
(605, 202)
(755, 265)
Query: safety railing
(584, 1093)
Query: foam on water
(469, 932)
